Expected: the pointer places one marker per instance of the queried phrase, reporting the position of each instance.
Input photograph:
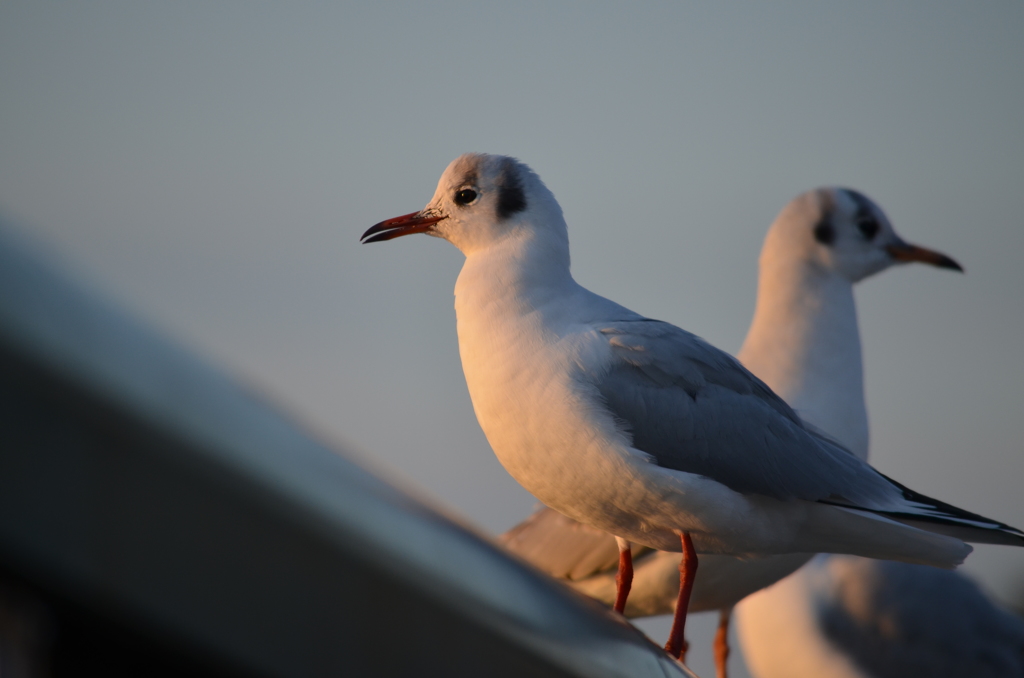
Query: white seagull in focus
(638, 428)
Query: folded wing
(696, 409)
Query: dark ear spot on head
(865, 215)
(824, 232)
(511, 198)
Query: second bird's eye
(869, 227)
(465, 196)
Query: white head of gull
(638, 428)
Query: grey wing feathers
(694, 408)
(563, 547)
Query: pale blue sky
(211, 167)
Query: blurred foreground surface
(156, 518)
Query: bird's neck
(805, 344)
(511, 299)
(521, 274)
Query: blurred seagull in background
(638, 428)
(805, 344)
(842, 615)
(850, 617)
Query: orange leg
(722, 643)
(624, 577)
(676, 645)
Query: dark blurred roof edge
(136, 479)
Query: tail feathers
(856, 531)
(936, 516)
(967, 533)
(561, 546)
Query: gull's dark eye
(465, 196)
(869, 227)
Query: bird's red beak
(903, 251)
(407, 224)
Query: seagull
(639, 428)
(850, 617)
(842, 615)
(804, 343)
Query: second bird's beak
(407, 224)
(903, 251)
